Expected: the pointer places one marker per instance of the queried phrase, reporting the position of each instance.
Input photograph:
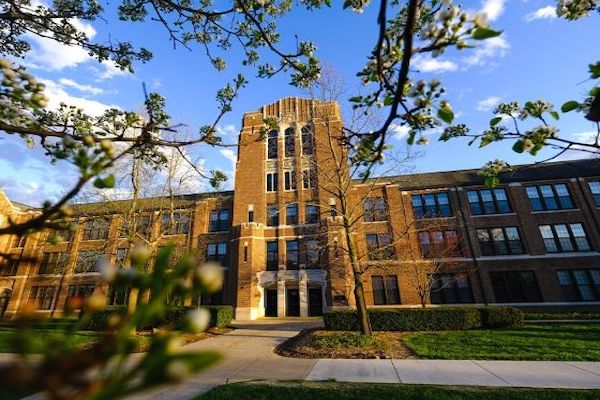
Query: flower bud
(210, 276)
(107, 270)
(139, 255)
(95, 302)
(197, 320)
(177, 370)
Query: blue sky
(538, 56)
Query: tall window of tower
(308, 145)
(272, 182)
(290, 142)
(309, 178)
(272, 145)
(290, 180)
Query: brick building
(533, 241)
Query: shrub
(220, 316)
(344, 340)
(501, 317)
(99, 320)
(574, 315)
(427, 319)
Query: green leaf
(495, 121)
(555, 115)
(491, 181)
(446, 115)
(569, 106)
(104, 183)
(519, 146)
(481, 33)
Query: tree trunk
(359, 294)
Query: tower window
(290, 142)
(272, 182)
(272, 145)
(290, 180)
(308, 145)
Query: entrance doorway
(4, 299)
(271, 303)
(292, 303)
(315, 302)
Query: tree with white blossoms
(405, 29)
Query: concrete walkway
(249, 355)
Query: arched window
(272, 145)
(308, 143)
(290, 142)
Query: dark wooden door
(315, 302)
(292, 303)
(271, 303)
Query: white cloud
(81, 87)
(429, 64)
(230, 155)
(488, 104)
(56, 94)
(548, 12)
(495, 47)
(493, 9)
(226, 130)
(109, 70)
(399, 131)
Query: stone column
(303, 291)
(281, 293)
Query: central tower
(279, 207)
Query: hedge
(173, 317)
(427, 319)
(566, 316)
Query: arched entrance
(4, 299)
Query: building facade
(436, 238)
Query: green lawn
(361, 391)
(560, 342)
(41, 336)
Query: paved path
(248, 355)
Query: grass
(360, 391)
(41, 337)
(556, 342)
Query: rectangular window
(290, 180)
(562, 238)
(515, 287)
(309, 178)
(272, 215)
(308, 146)
(488, 201)
(80, 291)
(272, 256)
(500, 241)
(87, 261)
(549, 197)
(272, 145)
(9, 265)
(580, 284)
(272, 182)
(175, 223)
(141, 226)
(379, 246)
(53, 263)
(311, 213)
(217, 252)
(96, 229)
(61, 235)
(595, 189)
(42, 296)
(290, 142)
(440, 244)
(385, 289)
(219, 220)
(450, 289)
(292, 258)
(374, 209)
(18, 241)
(312, 253)
(291, 214)
(251, 216)
(431, 205)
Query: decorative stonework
(271, 165)
(289, 163)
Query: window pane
(378, 290)
(391, 287)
